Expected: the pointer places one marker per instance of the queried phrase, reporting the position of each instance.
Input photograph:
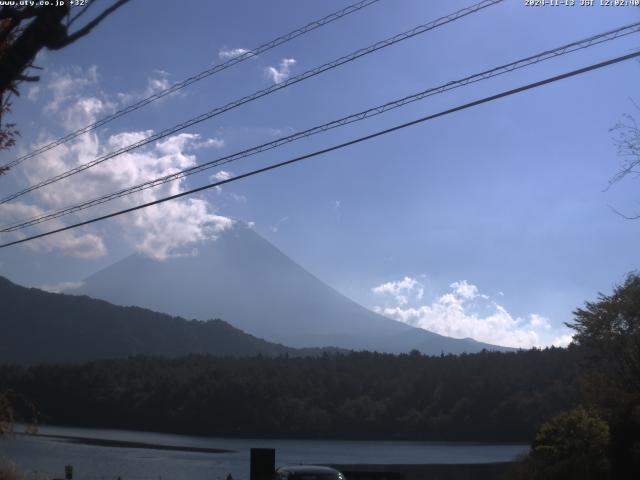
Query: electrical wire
(197, 77)
(261, 93)
(355, 117)
(336, 147)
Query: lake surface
(94, 462)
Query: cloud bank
(160, 231)
(464, 312)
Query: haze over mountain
(43, 327)
(246, 281)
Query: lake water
(92, 462)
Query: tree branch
(20, 53)
(80, 13)
(18, 14)
(617, 212)
(88, 27)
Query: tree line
(489, 396)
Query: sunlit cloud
(280, 74)
(400, 290)
(157, 82)
(160, 231)
(229, 53)
(464, 312)
(72, 243)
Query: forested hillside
(487, 396)
(43, 327)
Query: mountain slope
(249, 283)
(42, 327)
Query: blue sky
(490, 223)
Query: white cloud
(209, 143)
(229, 53)
(465, 290)
(539, 322)
(456, 314)
(165, 230)
(279, 75)
(74, 96)
(562, 340)
(65, 86)
(156, 83)
(400, 290)
(72, 243)
(221, 176)
(160, 231)
(61, 287)
(276, 228)
(85, 246)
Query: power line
(261, 93)
(356, 117)
(339, 146)
(197, 77)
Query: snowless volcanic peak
(243, 279)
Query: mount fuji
(243, 279)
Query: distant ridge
(245, 280)
(42, 327)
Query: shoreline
(103, 442)
(352, 471)
(98, 428)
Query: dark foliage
(6, 415)
(607, 347)
(572, 446)
(488, 396)
(608, 333)
(24, 31)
